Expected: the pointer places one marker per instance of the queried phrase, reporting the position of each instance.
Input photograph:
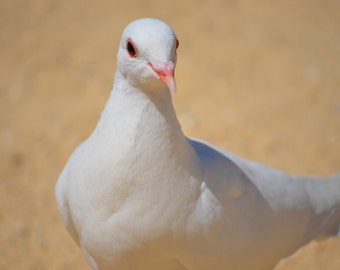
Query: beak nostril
(165, 73)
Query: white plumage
(139, 195)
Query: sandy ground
(259, 78)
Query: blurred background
(258, 78)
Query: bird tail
(336, 179)
(325, 197)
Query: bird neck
(146, 110)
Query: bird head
(147, 53)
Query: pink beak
(166, 73)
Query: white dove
(139, 195)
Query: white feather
(138, 194)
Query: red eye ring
(131, 48)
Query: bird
(139, 194)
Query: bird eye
(177, 43)
(131, 48)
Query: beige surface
(259, 78)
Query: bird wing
(61, 191)
(258, 198)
